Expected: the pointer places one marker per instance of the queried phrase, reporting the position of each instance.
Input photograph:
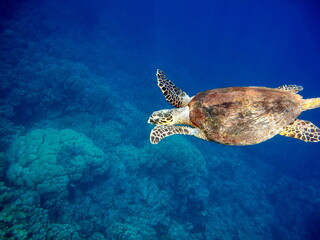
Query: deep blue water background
(77, 84)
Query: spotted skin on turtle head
(162, 117)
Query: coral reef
(49, 160)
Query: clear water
(77, 84)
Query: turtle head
(170, 116)
(162, 117)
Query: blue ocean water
(77, 85)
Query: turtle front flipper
(291, 88)
(303, 130)
(174, 95)
(160, 132)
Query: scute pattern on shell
(244, 115)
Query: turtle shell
(243, 115)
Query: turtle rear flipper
(160, 132)
(303, 130)
(291, 88)
(174, 95)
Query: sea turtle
(234, 115)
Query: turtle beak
(153, 119)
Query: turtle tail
(311, 103)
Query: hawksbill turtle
(234, 115)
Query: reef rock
(48, 160)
